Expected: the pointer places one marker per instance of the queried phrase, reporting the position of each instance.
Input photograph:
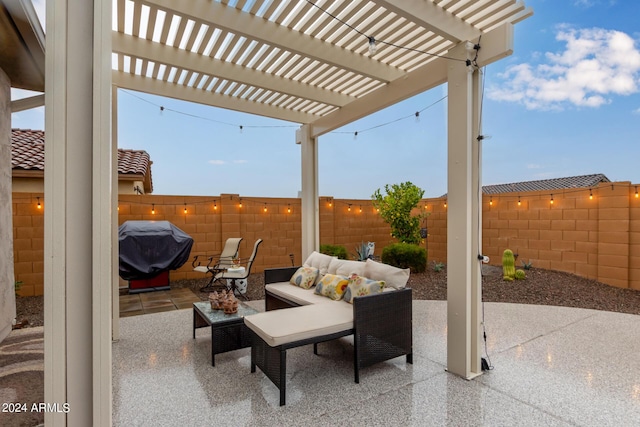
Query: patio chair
(232, 276)
(217, 263)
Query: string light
(240, 203)
(265, 207)
(153, 209)
(349, 208)
(417, 114)
(185, 208)
(590, 195)
(289, 208)
(330, 202)
(39, 205)
(491, 201)
(215, 206)
(519, 203)
(445, 203)
(373, 41)
(240, 128)
(360, 208)
(372, 46)
(636, 191)
(355, 135)
(551, 198)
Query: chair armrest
(383, 326)
(275, 275)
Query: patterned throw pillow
(304, 277)
(361, 286)
(332, 286)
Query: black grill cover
(147, 248)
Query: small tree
(395, 208)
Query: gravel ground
(543, 287)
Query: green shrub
(527, 265)
(334, 250)
(520, 274)
(508, 265)
(405, 255)
(438, 266)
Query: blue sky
(567, 102)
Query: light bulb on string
(161, 110)
(552, 199)
(355, 135)
(417, 116)
(372, 46)
(265, 207)
(185, 208)
(445, 204)
(289, 208)
(519, 203)
(240, 128)
(153, 209)
(490, 201)
(349, 208)
(240, 204)
(590, 195)
(39, 205)
(360, 208)
(215, 206)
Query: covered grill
(148, 250)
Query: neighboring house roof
(582, 181)
(27, 153)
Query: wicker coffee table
(228, 331)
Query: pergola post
(78, 213)
(310, 194)
(464, 292)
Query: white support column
(463, 221)
(77, 265)
(102, 214)
(115, 260)
(310, 195)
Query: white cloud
(595, 65)
(240, 161)
(217, 162)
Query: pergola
(320, 63)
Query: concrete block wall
(594, 237)
(28, 242)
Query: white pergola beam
(418, 81)
(433, 17)
(185, 93)
(174, 57)
(27, 103)
(252, 27)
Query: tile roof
(27, 153)
(582, 181)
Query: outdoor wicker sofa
(381, 323)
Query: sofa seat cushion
(288, 325)
(296, 294)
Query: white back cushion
(393, 276)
